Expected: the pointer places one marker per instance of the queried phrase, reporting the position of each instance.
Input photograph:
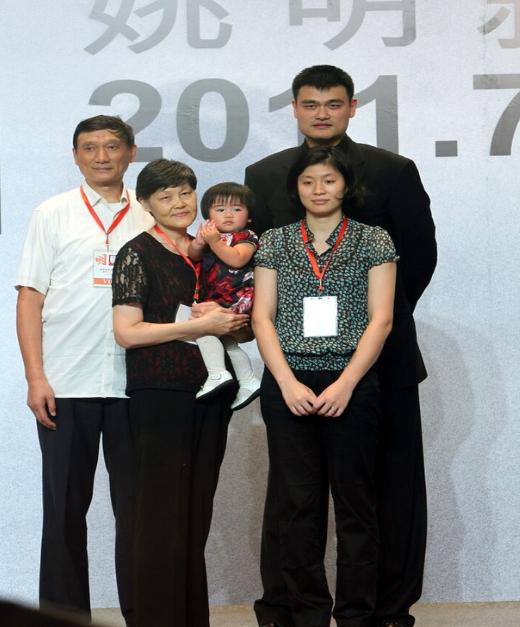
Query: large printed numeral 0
(149, 108)
(237, 120)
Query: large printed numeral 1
(384, 92)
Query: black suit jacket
(395, 200)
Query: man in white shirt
(74, 369)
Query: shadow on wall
(462, 414)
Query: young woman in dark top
(323, 308)
(179, 441)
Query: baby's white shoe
(247, 392)
(214, 384)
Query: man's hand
(41, 401)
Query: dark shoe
(390, 623)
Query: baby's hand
(209, 232)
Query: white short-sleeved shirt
(80, 356)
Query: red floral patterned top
(229, 287)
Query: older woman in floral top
(323, 309)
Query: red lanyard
(121, 214)
(194, 266)
(319, 274)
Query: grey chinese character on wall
(118, 24)
(331, 11)
(500, 17)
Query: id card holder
(320, 316)
(184, 313)
(103, 267)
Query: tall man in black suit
(395, 200)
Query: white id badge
(320, 316)
(183, 314)
(103, 267)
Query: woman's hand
(334, 399)
(131, 331)
(221, 321)
(298, 397)
(200, 309)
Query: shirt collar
(331, 239)
(96, 198)
(344, 145)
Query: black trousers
(69, 460)
(402, 519)
(305, 455)
(180, 444)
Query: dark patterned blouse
(346, 278)
(145, 272)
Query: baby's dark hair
(222, 192)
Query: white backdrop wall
(200, 80)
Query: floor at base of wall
(427, 615)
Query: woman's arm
(236, 256)
(381, 287)
(299, 398)
(131, 331)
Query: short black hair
(352, 200)
(161, 174)
(323, 77)
(222, 192)
(105, 123)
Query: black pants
(402, 519)
(305, 455)
(180, 444)
(69, 457)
